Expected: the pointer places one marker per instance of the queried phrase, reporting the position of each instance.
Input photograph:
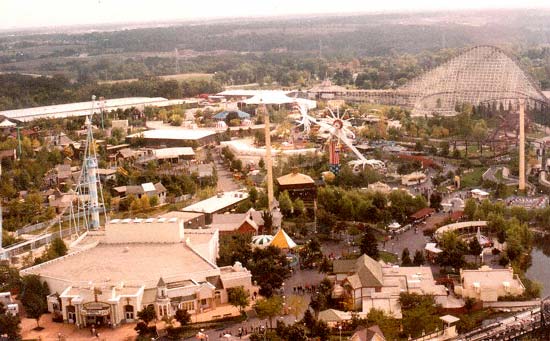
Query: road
(226, 182)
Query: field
(472, 178)
(179, 77)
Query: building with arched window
(133, 263)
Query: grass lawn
(473, 178)
(388, 257)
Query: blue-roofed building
(223, 115)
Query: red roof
(457, 215)
(423, 213)
(424, 160)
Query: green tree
(147, 314)
(238, 297)
(470, 207)
(419, 314)
(268, 222)
(269, 308)
(57, 248)
(183, 317)
(406, 258)
(285, 204)
(35, 307)
(269, 268)
(369, 245)
(9, 325)
(419, 259)
(33, 296)
(299, 207)
(474, 247)
(253, 195)
(453, 250)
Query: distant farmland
(178, 77)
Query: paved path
(225, 177)
(411, 240)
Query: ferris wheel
(339, 129)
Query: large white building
(84, 108)
(370, 284)
(135, 263)
(487, 285)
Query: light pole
(340, 330)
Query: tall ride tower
(521, 145)
(89, 189)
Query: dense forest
(362, 51)
(21, 91)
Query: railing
(429, 336)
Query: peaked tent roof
(282, 240)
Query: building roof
(175, 134)
(223, 115)
(489, 277)
(295, 179)
(218, 202)
(185, 216)
(126, 153)
(282, 240)
(129, 263)
(172, 153)
(231, 222)
(333, 315)
(449, 319)
(369, 272)
(422, 213)
(344, 266)
(81, 108)
(257, 217)
(373, 333)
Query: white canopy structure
(394, 226)
(262, 240)
(7, 124)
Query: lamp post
(340, 330)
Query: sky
(49, 13)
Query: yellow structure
(282, 240)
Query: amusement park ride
(88, 199)
(339, 130)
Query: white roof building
(134, 263)
(84, 108)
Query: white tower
(89, 188)
(521, 186)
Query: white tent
(7, 124)
(394, 226)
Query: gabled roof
(344, 266)
(231, 222)
(159, 187)
(333, 315)
(282, 240)
(372, 333)
(369, 272)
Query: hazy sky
(33, 13)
